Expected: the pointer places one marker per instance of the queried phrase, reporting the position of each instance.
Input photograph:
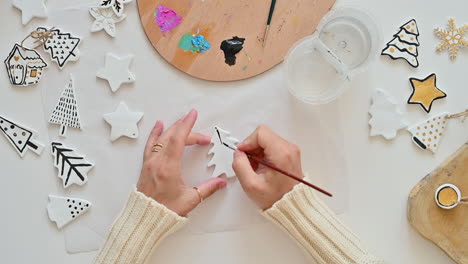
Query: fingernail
(189, 113)
(207, 138)
(157, 123)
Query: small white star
(116, 71)
(30, 9)
(123, 122)
(105, 19)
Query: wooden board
(448, 229)
(218, 20)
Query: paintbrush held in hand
(273, 167)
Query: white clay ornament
(24, 66)
(428, 133)
(116, 5)
(63, 210)
(116, 71)
(105, 19)
(20, 137)
(66, 112)
(72, 167)
(222, 155)
(386, 118)
(123, 122)
(404, 44)
(30, 9)
(62, 46)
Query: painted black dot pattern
(17, 135)
(74, 209)
(61, 46)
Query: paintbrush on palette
(273, 167)
(270, 15)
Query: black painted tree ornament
(20, 137)
(66, 112)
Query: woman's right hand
(262, 184)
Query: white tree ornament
(222, 155)
(63, 210)
(66, 112)
(386, 118)
(20, 138)
(404, 44)
(62, 47)
(428, 133)
(30, 9)
(105, 19)
(116, 71)
(72, 167)
(123, 122)
(116, 5)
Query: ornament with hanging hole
(452, 38)
(123, 122)
(404, 44)
(105, 19)
(63, 210)
(62, 46)
(21, 138)
(116, 71)
(222, 156)
(386, 118)
(66, 112)
(428, 133)
(24, 66)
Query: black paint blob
(231, 47)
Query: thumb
(211, 186)
(244, 171)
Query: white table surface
(381, 173)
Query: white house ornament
(452, 39)
(222, 155)
(30, 9)
(116, 71)
(63, 210)
(116, 5)
(66, 112)
(105, 19)
(386, 117)
(404, 44)
(72, 167)
(62, 46)
(24, 66)
(20, 137)
(123, 122)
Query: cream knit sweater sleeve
(316, 229)
(141, 225)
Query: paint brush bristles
(270, 15)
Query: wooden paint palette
(448, 229)
(218, 20)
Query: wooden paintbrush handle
(273, 167)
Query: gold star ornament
(425, 92)
(452, 38)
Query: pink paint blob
(166, 18)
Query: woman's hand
(160, 177)
(262, 184)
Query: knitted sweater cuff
(316, 228)
(141, 225)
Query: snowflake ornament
(105, 20)
(452, 38)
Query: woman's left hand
(161, 177)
